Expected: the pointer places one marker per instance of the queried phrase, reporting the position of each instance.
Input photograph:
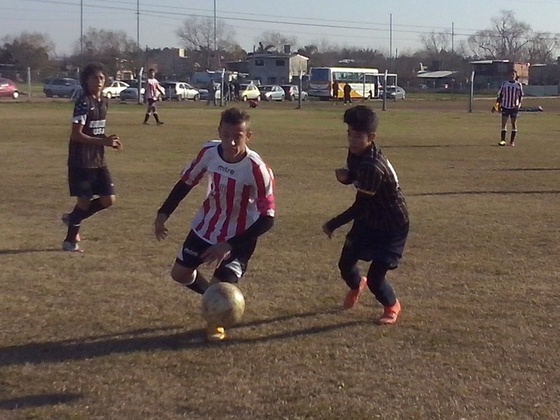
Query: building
(276, 68)
(490, 74)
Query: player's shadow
(151, 339)
(27, 251)
(429, 194)
(38, 400)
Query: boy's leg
(350, 273)
(504, 130)
(384, 293)
(189, 277)
(513, 130)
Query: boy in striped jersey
(239, 207)
(379, 214)
(509, 99)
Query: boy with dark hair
(88, 174)
(238, 208)
(152, 90)
(379, 212)
(509, 102)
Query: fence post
(28, 84)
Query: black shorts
(151, 102)
(510, 112)
(88, 182)
(378, 246)
(230, 270)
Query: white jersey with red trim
(238, 193)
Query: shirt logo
(226, 170)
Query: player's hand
(342, 175)
(159, 227)
(326, 231)
(216, 253)
(113, 141)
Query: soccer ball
(223, 305)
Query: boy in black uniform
(88, 175)
(379, 212)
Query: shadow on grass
(40, 400)
(150, 339)
(428, 194)
(526, 169)
(27, 251)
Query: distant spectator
(347, 94)
(335, 90)
(211, 92)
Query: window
(280, 63)
(259, 63)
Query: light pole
(81, 29)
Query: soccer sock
(74, 220)
(156, 116)
(199, 284)
(94, 206)
(146, 118)
(503, 135)
(513, 134)
(378, 285)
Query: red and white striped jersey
(510, 94)
(238, 193)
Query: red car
(8, 89)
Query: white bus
(365, 82)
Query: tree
(507, 39)
(112, 48)
(541, 48)
(434, 42)
(275, 41)
(27, 50)
(198, 36)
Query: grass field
(108, 335)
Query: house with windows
(276, 68)
(490, 74)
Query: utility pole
(216, 37)
(452, 36)
(81, 30)
(138, 34)
(391, 35)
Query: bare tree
(276, 41)
(197, 34)
(436, 42)
(542, 47)
(507, 39)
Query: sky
(383, 25)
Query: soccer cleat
(216, 334)
(390, 314)
(71, 247)
(64, 219)
(160, 123)
(353, 295)
(502, 143)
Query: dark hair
(235, 116)
(361, 118)
(90, 69)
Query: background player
(88, 174)
(509, 99)
(152, 90)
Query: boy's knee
(107, 201)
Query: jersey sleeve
(81, 109)
(264, 184)
(368, 178)
(194, 171)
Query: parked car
(180, 91)
(8, 89)
(64, 87)
(272, 93)
(114, 89)
(292, 92)
(394, 93)
(131, 92)
(249, 92)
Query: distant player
(509, 100)
(152, 90)
(379, 214)
(88, 174)
(239, 207)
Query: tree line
(207, 47)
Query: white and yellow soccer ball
(223, 305)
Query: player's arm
(177, 194)
(263, 224)
(347, 215)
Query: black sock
(199, 285)
(513, 134)
(146, 118)
(503, 135)
(94, 206)
(156, 116)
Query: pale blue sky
(359, 23)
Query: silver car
(272, 93)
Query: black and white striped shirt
(510, 94)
